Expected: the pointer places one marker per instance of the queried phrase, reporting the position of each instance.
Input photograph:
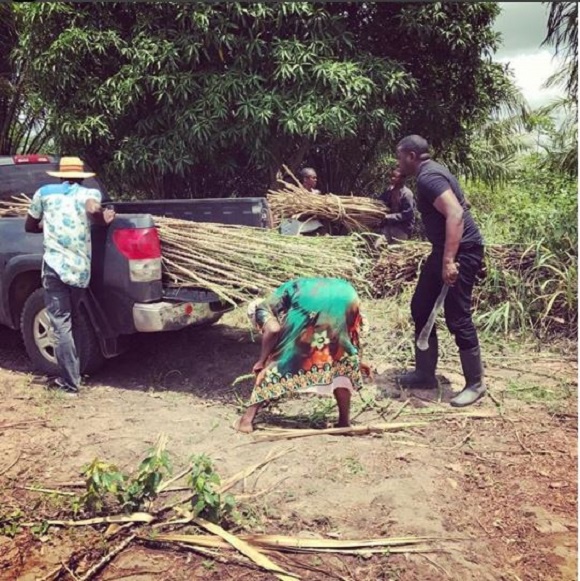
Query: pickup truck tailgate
(241, 211)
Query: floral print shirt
(66, 229)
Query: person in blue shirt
(61, 213)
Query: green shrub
(536, 205)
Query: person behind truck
(309, 180)
(310, 344)
(61, 212)
(398, 224)
(310, 226)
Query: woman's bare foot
(245, 423)
(244, 426)
(342, 396)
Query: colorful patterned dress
(318, 346)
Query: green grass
(322, 410)
(353, 466)
(538, 393)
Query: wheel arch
(21, 287)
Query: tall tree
(22, 122)
(447, 47)
(562, 155)
(184, 95)
(210, 98)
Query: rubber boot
(473, 372)
(423, 376)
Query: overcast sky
(523, 26)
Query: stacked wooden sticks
(355, 213)
(16, 207)
(238, 263)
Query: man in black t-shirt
(455, 259)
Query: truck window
(26, 179)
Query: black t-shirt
(432, 180)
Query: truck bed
(241, 211)
(21, 255)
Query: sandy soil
(503, 488)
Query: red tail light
(32, 158)
(138, 243)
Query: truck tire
(214, 319)
(193, 330)
(37, 336)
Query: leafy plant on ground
(10, 522)
(143, 486)
(205, 481)
(106, 484)
(102, 480)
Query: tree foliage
(490, 152)
(562, 155)
(447, 48)
(211, 98)
(22, 123)
(563, 36)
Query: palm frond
(563, 36)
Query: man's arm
(448, 205)
(96, 212)
(270, 334)
(405, 215)
(32, 225)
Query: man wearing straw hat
(63, 210)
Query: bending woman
(310, 344)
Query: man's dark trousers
(60, 300)
(457, 305)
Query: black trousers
(457, 305)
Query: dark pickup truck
(126, 294)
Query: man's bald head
(411, 151)
(414, 143)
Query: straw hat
(71, 167)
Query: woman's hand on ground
(366, 369)
(259, 366)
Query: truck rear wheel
(38, 337)
(212, 321)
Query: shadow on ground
(204, 362)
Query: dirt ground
(499, 494)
